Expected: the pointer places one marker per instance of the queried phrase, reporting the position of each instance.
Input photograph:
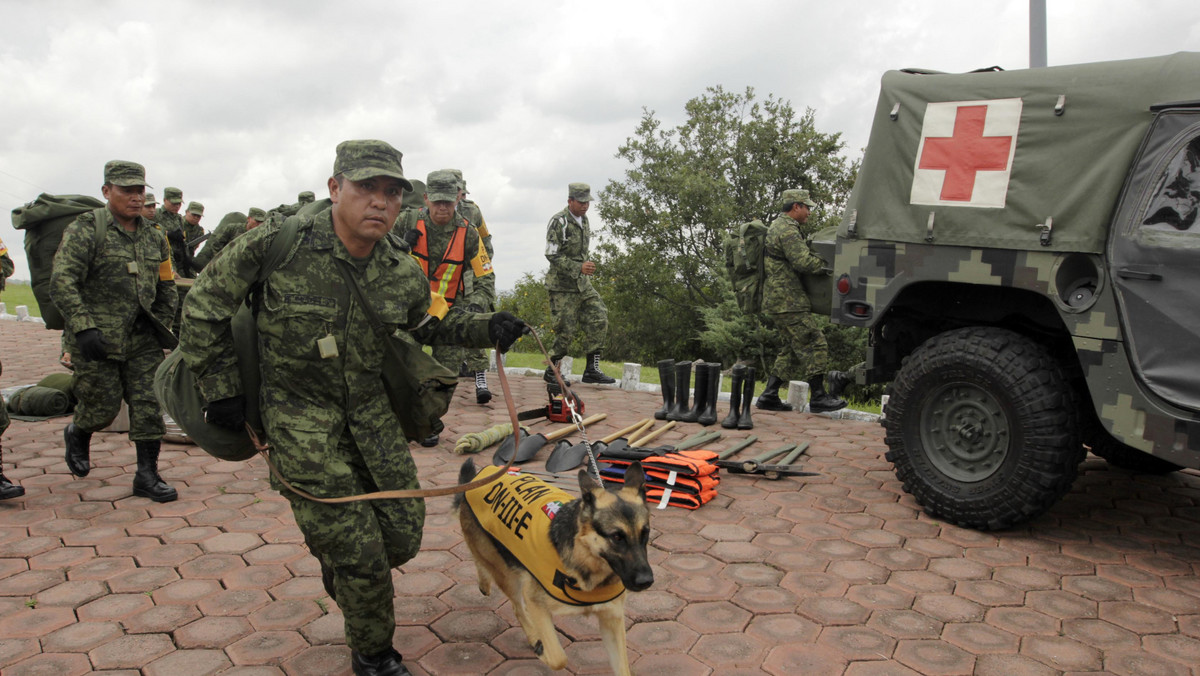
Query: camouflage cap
(257, 214)
(580, 192)
(441, 186)
(195, 208)
(122, 173)
(414, 199)
(462, 184)
(359, 160)
(149, 201)
(796, 195)
(174, 195)
(306, 197)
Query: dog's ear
(588, 487)
(635, 479)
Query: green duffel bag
(44, 220)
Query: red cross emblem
(966, 152)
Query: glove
(412, 237)
(176, 236)
(228, 413)
(504, 328)
(92, 345)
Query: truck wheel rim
(965, 432)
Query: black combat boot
(8, 490)
(708, 412)
(482, 394)
(838, 382)
(744, 422)
(822, 401)
(769, 399)
(593, 374)
(386, 663)
(701, 394)
(146, 482)
(78, 450)
(735, 397)
(683, 385)
(666, 381)
(548, 376)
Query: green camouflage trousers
(805, 352)
(3, 412)
(101, 385)
(361, 542)
(578, 312)
(451, 356)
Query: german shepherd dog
(600, 539)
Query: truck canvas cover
(993, 155)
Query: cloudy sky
(241, 104)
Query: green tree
(687, 187)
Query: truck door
(1154, 252)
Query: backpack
(744, 250)
(44, 220)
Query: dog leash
(569, 402)
(263, 449)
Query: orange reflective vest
(446, 278)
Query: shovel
(531, 445)
(570, 457)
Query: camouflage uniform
(574, 302)
(128, 293)
(172, 223)
(233, 224)
(7, 488)
(477, 291)
(328, 419)
(787, 255)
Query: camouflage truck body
(1023, 248)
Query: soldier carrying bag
(744, 249)
(419, 389)
(44, 220)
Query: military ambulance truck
(1024, 248)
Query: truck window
(1175, 200)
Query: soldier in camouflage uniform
(575, 304)
(449, 274)
(168, 217)
(306, 197)
(117, 297)
(148, 207)
(233, 224)
(805, 354)
(471, 211)
(324, 406)
(8, 489)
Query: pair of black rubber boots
(676, 383)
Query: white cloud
(241, 104)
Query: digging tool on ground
(570, 457)
(529, 446)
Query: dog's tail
(465, 474)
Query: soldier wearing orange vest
(451, 252)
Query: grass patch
(19, 293)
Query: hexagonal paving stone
(212, 632)
(672, 638)
(468, 625)
(858, 643)
(1061, 653)
(934, 657)
(266, 647)
(131, 651)
(979, 638)
(724, 651)
(234, 602)
(1137, 617)
(35, 622)
(191, 662)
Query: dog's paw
(538, 649)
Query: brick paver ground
(836, 574)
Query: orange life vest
(446, 278)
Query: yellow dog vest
(517, 511)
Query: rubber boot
(666, 379)
(146, 482)
(78, 450)
(708, 412)
(482, 394)
(735, 397)
(744, 421)
(693, 414)
(386, 663)
(683, 383)
(822, 401)
(8, 490)
(593, 374)
(769, 399)
(838, 382)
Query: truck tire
(981, 427)
(1127, 457)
